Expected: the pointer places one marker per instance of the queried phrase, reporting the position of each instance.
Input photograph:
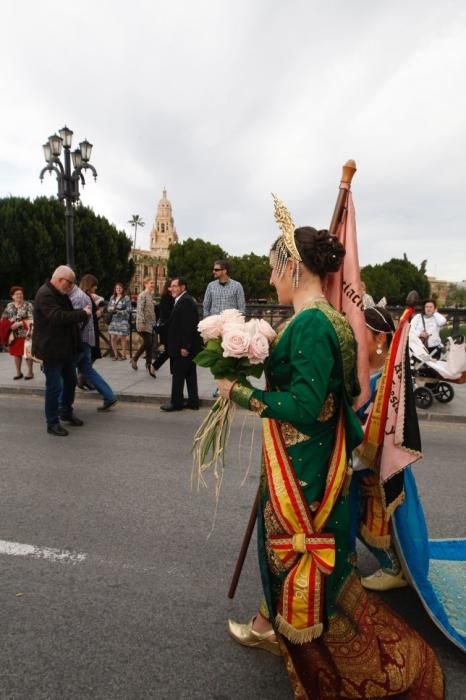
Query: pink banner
(343, 290)
(395, 456)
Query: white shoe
(382, 581)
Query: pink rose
(211, 327)
(267, 330)
(235, 342)
(258, 348)
(232, 315)
(252, 326)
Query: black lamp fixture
(68, 179)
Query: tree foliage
(32, 245)
(253, 271)
(456, 295)
(136, 221)
(193, 259)
(395, 279)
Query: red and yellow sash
(375, 427)
(309, 551)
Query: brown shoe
(134, 364)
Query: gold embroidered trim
(298, 688)
(344, 335)
(328, 409)
(291, 435)
(257, 406)
(390, 509)
(273, 527)
(241, 394)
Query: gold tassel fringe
(298, 636)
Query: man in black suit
(183, 344)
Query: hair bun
(321, 252)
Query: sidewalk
(131, 385)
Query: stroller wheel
(423, 397)
(443, 392)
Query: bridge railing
(275, 314)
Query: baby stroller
(432, 378)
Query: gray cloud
(224, 102)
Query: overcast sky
(224, 101)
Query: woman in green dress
(337, 640)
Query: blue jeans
(85, 367)
(60, 383)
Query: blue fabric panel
(440, 583)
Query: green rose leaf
(206, 358)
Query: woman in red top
(19, 313)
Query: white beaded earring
(379, 350)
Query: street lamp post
(68, 180)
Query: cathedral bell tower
(163, 234)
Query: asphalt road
(136, 607)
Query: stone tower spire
(163, 234)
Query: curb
(440, 417)
(158, 399)
(155, 399)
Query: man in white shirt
(426, 326)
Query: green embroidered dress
(310, 373)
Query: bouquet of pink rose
(235, 349)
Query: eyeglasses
(217, 269)
(65, 279)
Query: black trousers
(183, 369)
(147, 345)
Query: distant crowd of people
(60, 329)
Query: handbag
(27, 352)
(5, 331)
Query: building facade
(439, 290)
(153, 262)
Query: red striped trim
(298, 507)
(274, 498)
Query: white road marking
(16, 549)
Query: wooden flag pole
(244, 547)
(348, 171)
